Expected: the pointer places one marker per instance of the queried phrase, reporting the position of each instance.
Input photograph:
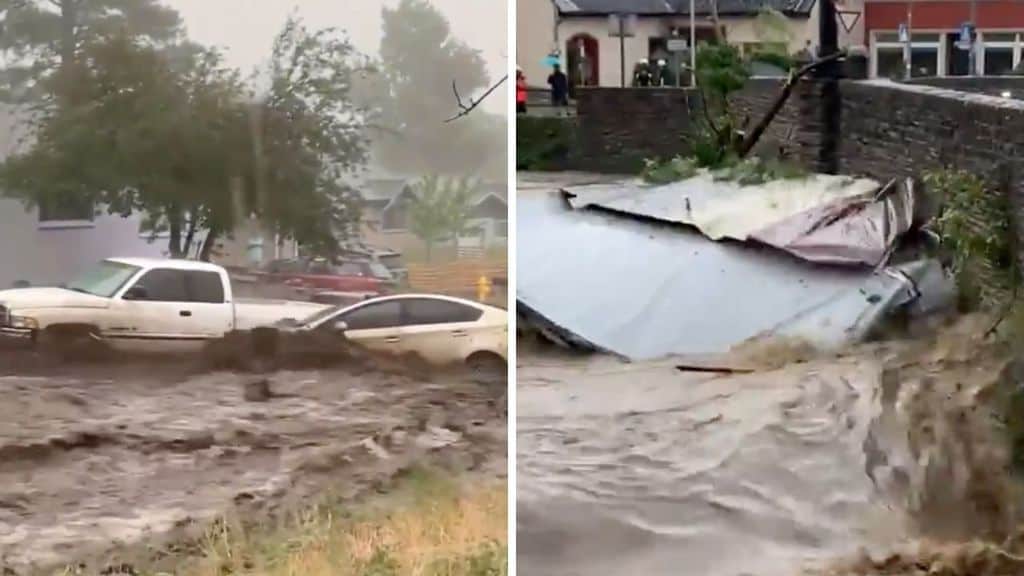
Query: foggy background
(246, 40)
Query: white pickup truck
(141, 304)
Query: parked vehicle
(442, 330)
(134, 303)
(390, 258)
(321, 275)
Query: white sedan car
(440, 329)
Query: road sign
(848, 18)
(904, 37)
(677, 44)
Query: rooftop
(679, 7)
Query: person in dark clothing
(559, 83)
(642, 74)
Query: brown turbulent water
(95, 459)
(882, 460)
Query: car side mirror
(340, 326)
(136, 293)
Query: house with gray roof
(577, 33)
(386, 203)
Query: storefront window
(890, 63)
(1001, 52)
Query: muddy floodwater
(644, 469)
(100, 457)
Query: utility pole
(828, 78)
(622, 50)
(972, 54)
(693, 45)
(908, 50)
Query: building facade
(932, 32)
(578, 33)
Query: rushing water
(643, 469)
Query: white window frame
(1015, 45)
(939, 46)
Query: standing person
(559, 83)
(521, 91)
(642, 74)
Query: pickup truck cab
(134, 303)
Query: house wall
(538, 35)
(42, 255)
(535, 38)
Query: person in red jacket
(520, 91)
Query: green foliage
(772, 26)
(382, 563)
(778, 59)
(419, 61)
(720, 72)
(753, 171)
(175, 135)
(543, 143)
(975, 228)
(40, 35)
(747, 172)
(674, 170)
(441, 209)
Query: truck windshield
(104, 280)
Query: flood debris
(643, 288)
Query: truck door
(153, 313)
(208, 314)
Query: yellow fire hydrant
(483, 288)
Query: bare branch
(465, 109)
(751, 139)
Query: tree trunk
(780, 100)
(174, 224)
(717, 24)
(207, 250)
(190, 235)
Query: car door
(439, 330)
(208, 313)
(151, 313)
(376, 326)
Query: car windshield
(380, 271)
(104, 279)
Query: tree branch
(465, 109)
(751, 139)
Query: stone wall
(618, 128)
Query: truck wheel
(63, 344)
(488, 368)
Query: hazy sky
(245, 29)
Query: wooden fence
(458, 278)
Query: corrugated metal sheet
(647, 290)
(821, 218)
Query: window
(351, 269)
(163, 285)
(66, 209)
(889, 63)
(380, 315)
(1000, 52)
(205, 287)
(889, 55)
(420, 311)
(104, 280)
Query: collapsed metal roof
(821, 218)
(646, 290)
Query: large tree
(173, 134)
(40, 37)
(420, 61)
